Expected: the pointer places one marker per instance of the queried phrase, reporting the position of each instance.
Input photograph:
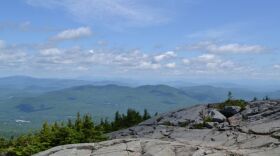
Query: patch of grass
(207, 119)
(241, 103)
(183, 124)
(167, 123)
(160, 118)
(199, 126)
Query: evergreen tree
(255, 99)
(230, 96)
(78, 122)
(83, 130)
(146, 115)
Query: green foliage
(255, 99)
(199, 126)
(183, 124)
(81, 130)
(122, 121)
(266, 98)
(230, 95)
(204, 123)
(146, 115)
(231, 102)
(207, 119)
(241, 103)
(167, 123)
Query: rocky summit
(252, 129)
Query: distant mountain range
(36, 100)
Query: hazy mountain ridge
(37, 100)
(208, 93)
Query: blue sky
(141, 39)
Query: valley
(27, 102)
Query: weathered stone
(134, 147)
(254, 132)
(216, 115)
(235, 120)
(231, 110)
(211, 124)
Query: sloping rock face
(254, 131)
(134, 147)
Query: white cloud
(82, 68)
(76, 60)
(108, 11)
(16, 57)
(148, 65)
(211, 47)
(166, 55)
(50, 51)
(2, 44)
(206, 57)
(12, 57)
(186, 61)
(70, 34)
(209, 63)
(276, 66)
(171, 65)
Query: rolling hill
(26, 102)
(207, 93)
(99, 101)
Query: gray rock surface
(216, 116)
(254, 131)
(231, 110)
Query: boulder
(231, 110)
(235, 120)
(211, 124)
(216, 116)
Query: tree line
(80, 130)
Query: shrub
(183, 124)
(241, 103)
(207, 119)
(199, 126)
(167, 123)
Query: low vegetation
(199, 126)
(207, 119)
(82, 130)
(241, 103)
(231, 102)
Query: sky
(141, 39)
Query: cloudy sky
(157, 39)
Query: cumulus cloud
(211, 47)
(166, 55)
(276, 66)
(71, 34)
(11, 57)
(50, 51)
(75, 60)
(210, 63)
(206, 57)
(186, 61)
(132, 60)
(148, 65)
(171, 65)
